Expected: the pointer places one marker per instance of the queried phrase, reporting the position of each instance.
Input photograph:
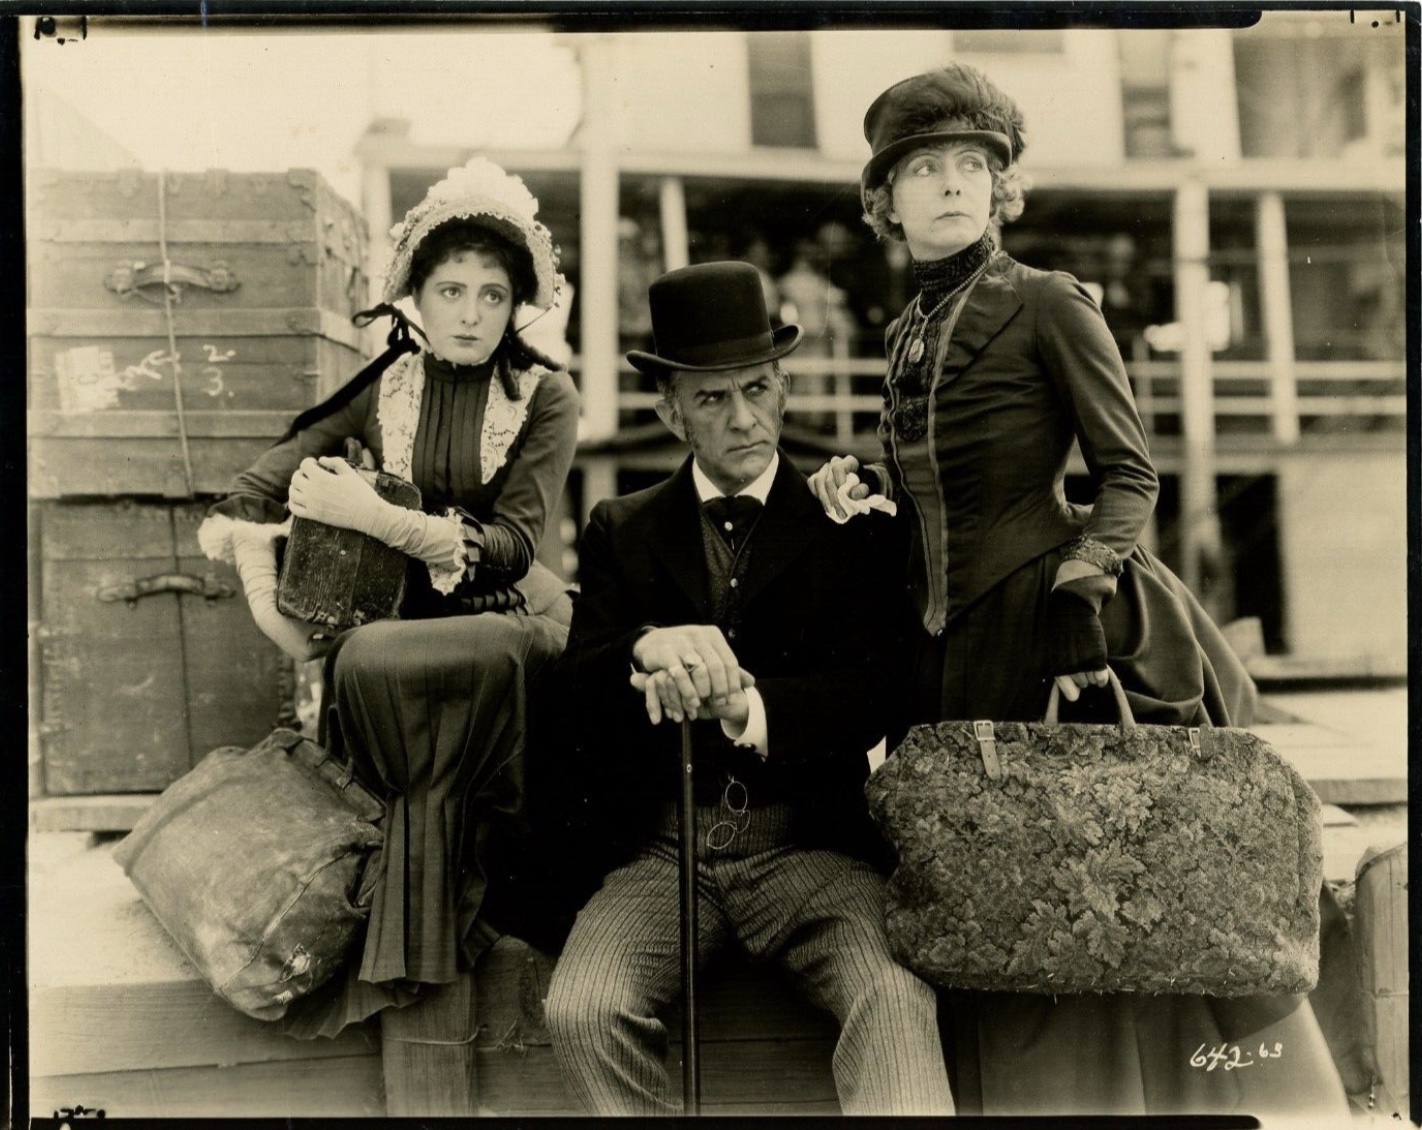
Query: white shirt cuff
(754, 736)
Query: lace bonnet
(499, 200)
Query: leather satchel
(256, 863)
(1078, 858)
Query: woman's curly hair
(1008, 200)
(463, 234)
(963, 93)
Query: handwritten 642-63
(1230, 1056)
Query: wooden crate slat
(144, 229)
(146, 322)
(61, 467)
(285, 373)
(158, 425)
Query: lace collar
(402, 388)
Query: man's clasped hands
(690, 671)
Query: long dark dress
(432, 708)
(978, 423)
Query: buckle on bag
(987, 748)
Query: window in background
(781, 89)
(1145, 91)
(1320, 95)
(1346, 272)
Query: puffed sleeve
(1084, 364)
(504, 546)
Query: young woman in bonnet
(995, 370)
(431, 707)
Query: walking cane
(690, 1052)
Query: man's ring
(691, 662)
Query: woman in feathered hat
(995, 371)
(431, 706)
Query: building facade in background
(1233, 199)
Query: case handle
(1128, 718)
(130, 279)
(206, 586)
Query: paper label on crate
(88, 381)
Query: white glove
(330, 490)
(254, 552)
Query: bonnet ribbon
(398, 341)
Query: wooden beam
(429, 1057)
(1202, 567)
(1381, 920)
(1276, 299)
(598, 290)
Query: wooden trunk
(148, 655)
(264, 272)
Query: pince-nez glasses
(735, 799)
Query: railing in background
(1330, 397)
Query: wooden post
(1381, 917)
(375, 202)
(598, 292)
(599, 482)
(1274, 296)
(1201, 558)
(428, 1053)
(676, 248)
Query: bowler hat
(711, 317)
(954, 103)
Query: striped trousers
(818, 914)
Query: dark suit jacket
(823, 616)
(1030, 368)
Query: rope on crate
(172, 334)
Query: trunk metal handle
(130, 279)
(206, 586)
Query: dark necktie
(733, 517)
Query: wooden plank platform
(120, 1021)
(763, 1051)
(1351, 746)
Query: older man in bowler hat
(725, 595)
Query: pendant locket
(915, 353)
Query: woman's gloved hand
(254, 552)
(330, 490)
(1076, 642)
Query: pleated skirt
(434, 715)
